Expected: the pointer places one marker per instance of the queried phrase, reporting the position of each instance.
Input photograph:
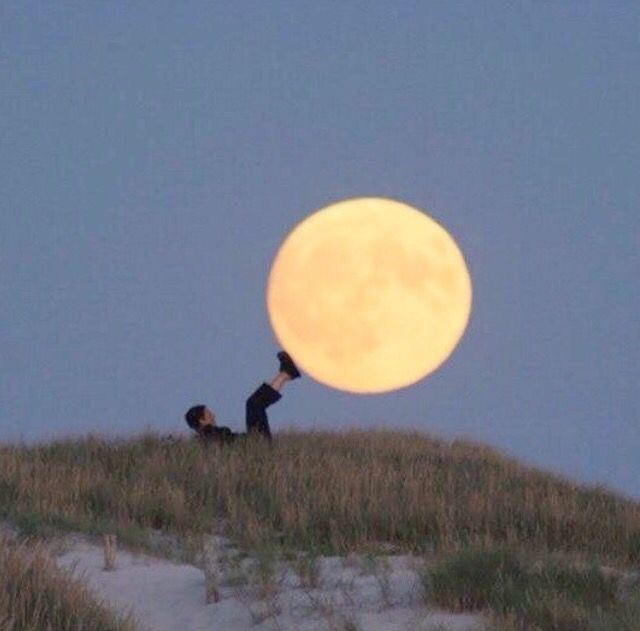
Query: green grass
(522, 591)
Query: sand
(351, 593)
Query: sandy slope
(165, 596)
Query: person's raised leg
(267, 394)
(277, 383)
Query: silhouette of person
(203, 421)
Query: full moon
(369, 295)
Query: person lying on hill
(203, 421)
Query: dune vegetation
(522, 590)
(336, 492)
(37, 596)
(332, 493)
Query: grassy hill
(333, 491)
(326, 492)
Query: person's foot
(287, 365)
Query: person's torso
(216, 434)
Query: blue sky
(154, 155)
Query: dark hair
(194, 415)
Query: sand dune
(166, 596)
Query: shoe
(287, 365)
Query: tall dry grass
(36, 596)
(332, 492)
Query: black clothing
(214, 434)
(256, 410)
(256, 419)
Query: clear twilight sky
(153, 156)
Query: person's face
(208, 418)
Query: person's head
(199, 416)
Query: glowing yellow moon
(369, 295)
